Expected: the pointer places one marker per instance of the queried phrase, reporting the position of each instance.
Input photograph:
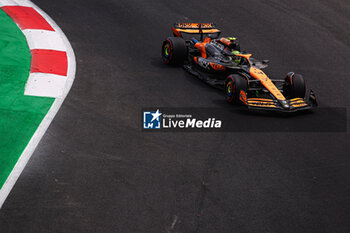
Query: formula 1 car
(220, 63)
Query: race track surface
(95, 171)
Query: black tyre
(174, 51)
(233, 85)
(295, 85)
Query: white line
(15, 3)
(43, 39)
(28, 151)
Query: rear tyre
(233, 85)
(295, 85)
(174, 51)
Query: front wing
(293, 105)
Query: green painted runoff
(20, 115)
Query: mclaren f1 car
(219, 62)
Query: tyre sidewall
(177, 52)
(167, 59)
(237, 83)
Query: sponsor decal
(195, 25)
(217, 66)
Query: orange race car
(219, 62)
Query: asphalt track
(95, 171)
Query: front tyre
(233, 85)
(174, 51)
(295, 85)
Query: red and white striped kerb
(49, 61)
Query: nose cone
(285, 104)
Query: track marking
(40, 39)
(28, 151)
(15, 3)
(27, 18)
(40, 84)
(49, 61)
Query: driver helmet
(234, 43)
(237, 59)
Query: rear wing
(195, 28)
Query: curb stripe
(40, 39)
(40, 84)
(27, 18)
(49, 61)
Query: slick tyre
(233, 86)
(174, 51)
(295, 85)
